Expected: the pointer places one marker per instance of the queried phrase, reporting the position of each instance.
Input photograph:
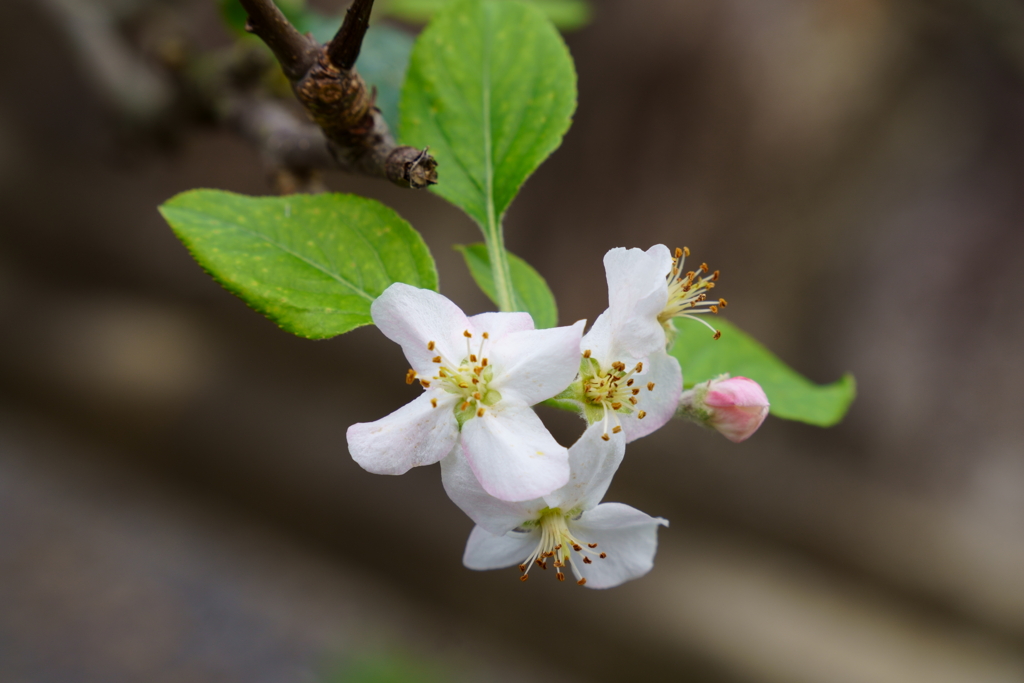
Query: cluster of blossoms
(535, 502)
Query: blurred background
(176, 499)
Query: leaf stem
(496, 254)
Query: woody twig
(327, 84)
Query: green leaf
(311, 263)
(792, 396)
(565, 14)
(531, 291)
(491, 90)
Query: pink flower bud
(735, 406)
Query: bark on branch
(327, 84)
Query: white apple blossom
(480, 376)
(603, 545)
(646, 290)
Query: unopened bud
(734, 406)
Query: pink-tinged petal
(535, 365)
(737, 407)
(497, 516)
(485, 550)
(592, 464)
(512, 454)
(497, 325)
(415, 434)
(627, 536)
(413, 317)
(659, 404)
(637, 293)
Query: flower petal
(512, 454)
(660, 403)
(537, 364)
(627, 536)
(415, 434)
(497, 516)
(497, 325)
(637, 293)
(600, 341)
(592, 464)
(485, 550)
(413, 317)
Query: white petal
(637, 293)
(415, 434)
(512, 454)
(497, 516)
(485, 550)
(659, 404)
(592, 464)
(600, 341)
(413, 317)
(497, 325)
(628, 537)
(535, 365)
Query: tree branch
(336, 97)
(295, 52)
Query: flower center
(559, 545)
(612, 391)
(467, 378)
(688, 294)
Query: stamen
(425, 383)
(466, 334)
(605, 436)
(472, 358)
(480, 412)
(486, 335)
(587, 560)
(483, 362)
(561, 576)
(524, 577)
(641, 415)
(436, 359)
(581, 582)
(650, 386)
(591, 545)
(433, 403)
(430, 346)
(586, 354)
(410, 376)
(718, 335)
(686, 251)
(603, 555)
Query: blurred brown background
(176, 500)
